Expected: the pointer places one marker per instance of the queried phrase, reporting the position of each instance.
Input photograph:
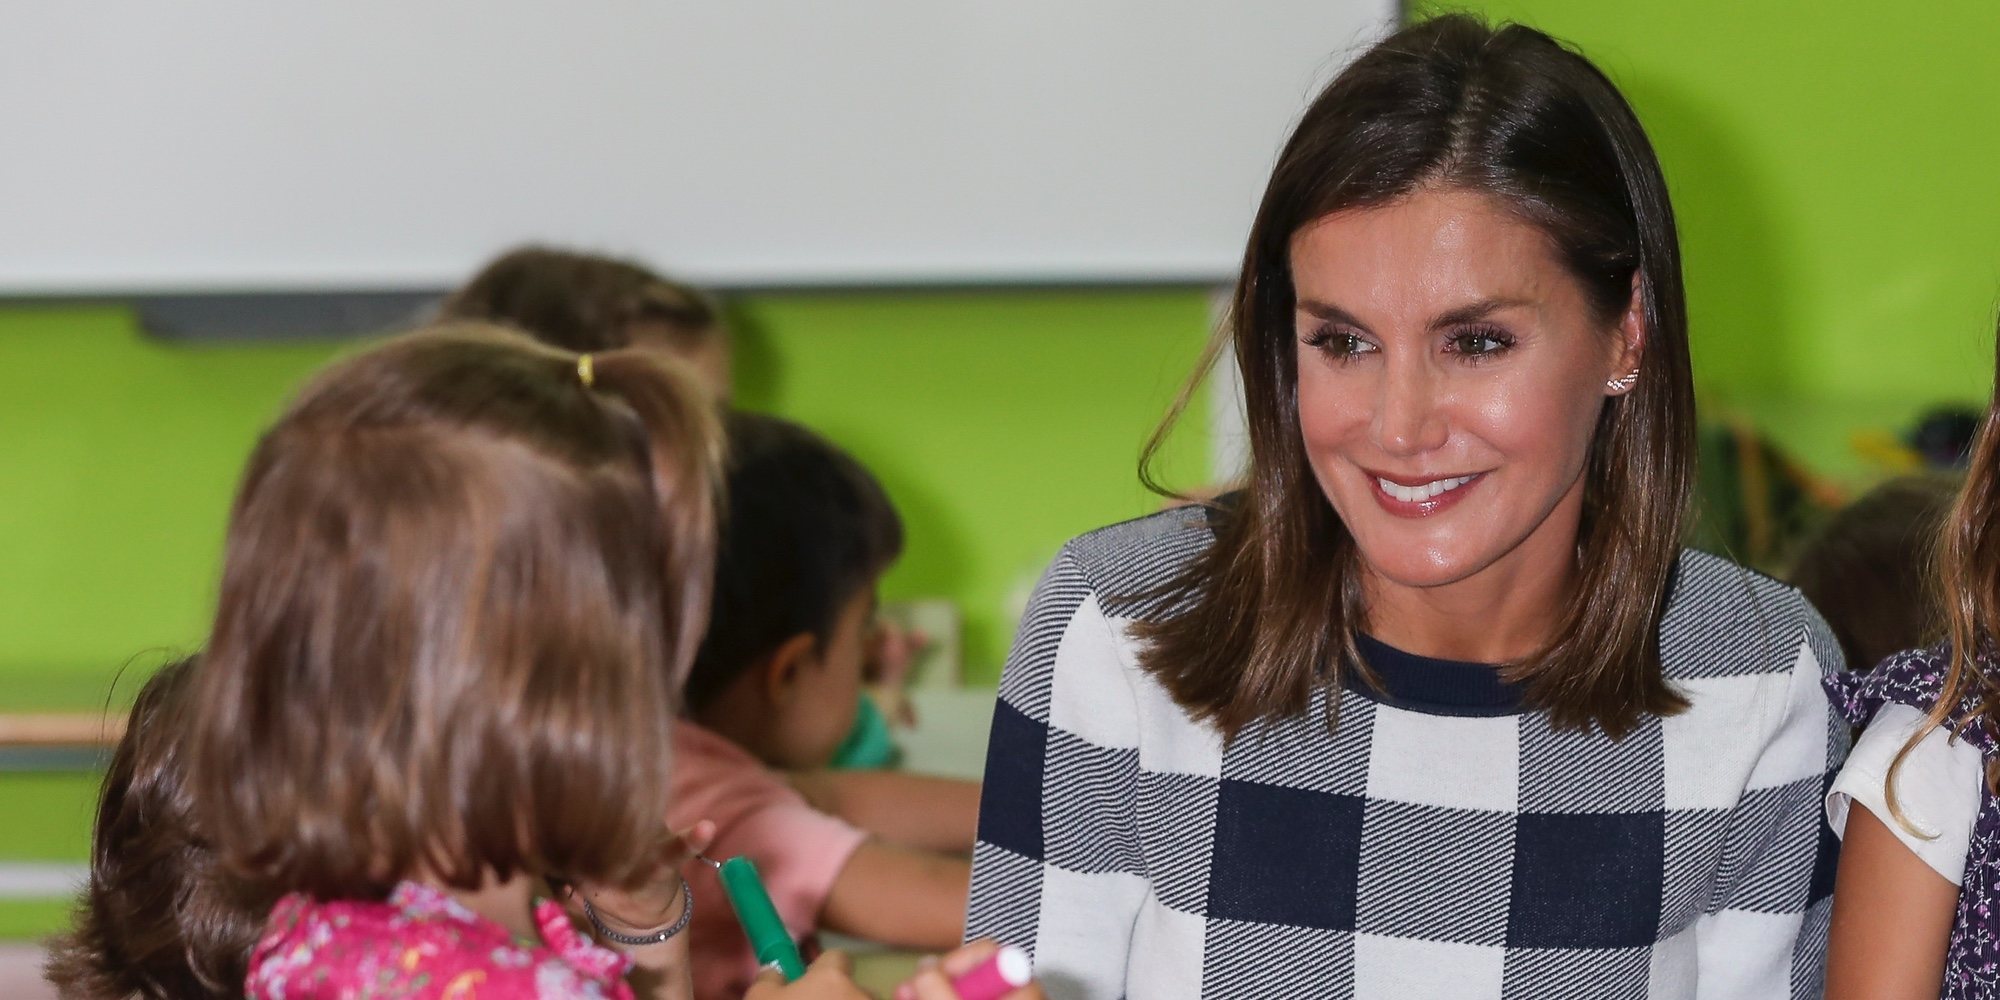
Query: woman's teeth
(1416, 494)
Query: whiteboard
(231, 145)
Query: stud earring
(1623, 383)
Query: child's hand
(893, 650)
(828, 978)
(657, 902)
(933, 982)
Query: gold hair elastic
(585, 373)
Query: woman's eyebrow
(1330, 312)
(1474, 311)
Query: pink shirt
(798, 849)
(421, 943)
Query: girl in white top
(1917, 898)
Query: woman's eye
(1334, 343)
(1480, 343)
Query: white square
(1167, 948)
(1401, 967)
(1745, 954)
(1169, 741)
(1442, 760)
(1084, 931)
(1798, 751)
(1711, 747)
(1675, 967)
(1091, 694)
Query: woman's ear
(782, 670)
(1631, 343)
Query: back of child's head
(587, 302)
(463, 572)
(1869, 569)
(807, 529)
(158, 916)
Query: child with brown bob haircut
(462, 574)
(774, 690)
(158, 917)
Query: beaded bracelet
(656, 937)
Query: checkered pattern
(1407, 854)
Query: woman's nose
(1408, 420)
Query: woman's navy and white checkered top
(1441, 842)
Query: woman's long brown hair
(1268, 614)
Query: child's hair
(1868, 570)
(158, 918)
(1969, 564)
(463, 573)
(807, 528)
(582, 302)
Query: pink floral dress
(421, 943)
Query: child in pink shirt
(774, 690)
(799, 850)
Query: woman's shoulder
(1724, 620)
(1126, 564)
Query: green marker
(768, 937)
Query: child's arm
(899, 896)
(1892, 917)
(660, 971)
(915, 810)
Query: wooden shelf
(60, 729)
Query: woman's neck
(1502, 613)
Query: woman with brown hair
(1437, 705)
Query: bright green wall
(1836, 171)
(118, 455)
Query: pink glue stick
(1006, 971)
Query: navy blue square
(1587, 881)
(1285, 856)
(1010, 804)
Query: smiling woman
(1436, 705)
(1455, 367)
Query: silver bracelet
(655, 937)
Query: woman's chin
(1419, 568)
